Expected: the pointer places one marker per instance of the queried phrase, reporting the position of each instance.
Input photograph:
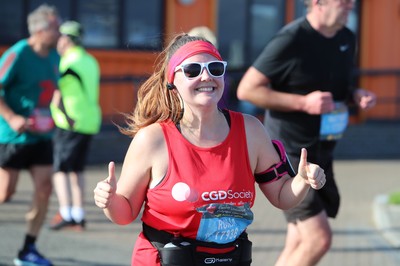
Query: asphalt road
(358, 239)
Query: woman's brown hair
(156, 103)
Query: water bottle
(177, 252)
(170, 245)
(173, 244)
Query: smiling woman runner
(194, 166)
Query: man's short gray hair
(38, 19)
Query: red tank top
(206, 193)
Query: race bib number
(334, 124)
(41, 121)
(223, 223)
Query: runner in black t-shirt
(303, 79)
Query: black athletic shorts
(70, 150)
(327, 198)
(23, 156)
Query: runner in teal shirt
(77, 115)
(28, 79)
(33, 95)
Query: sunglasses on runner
(192, 70)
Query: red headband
(188, 50)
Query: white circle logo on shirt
(181, 192)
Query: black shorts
(23, 156)
(327, 198)
(70, 150)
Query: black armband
(276, 171)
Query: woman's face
(203, 90)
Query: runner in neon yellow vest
(77, 116)
(79, 110)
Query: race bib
(41, 121)
(223, 223)
(334, 124)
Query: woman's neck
(204, 129)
